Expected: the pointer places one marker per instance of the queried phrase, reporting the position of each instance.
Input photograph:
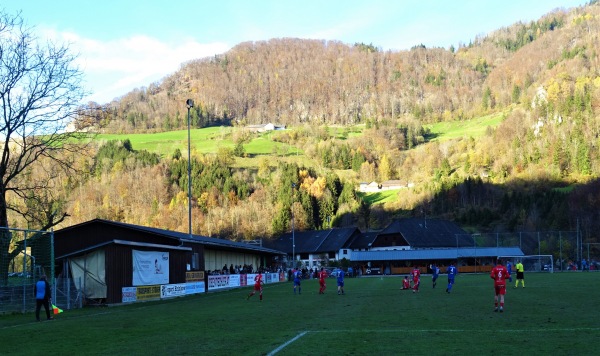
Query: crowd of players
(499, 274)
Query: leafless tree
(40, 91)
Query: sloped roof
(423, 233)
(435, 254)
(337, 239)
(313, 241)
(364, 240)
(179, 236)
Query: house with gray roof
(315, 248)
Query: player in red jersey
(405, 283)
(499, 274)
(258, 283)
(416, 274)
(322, 276)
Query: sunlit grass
(554, 314)
(470, 128)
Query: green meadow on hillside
(206, 140)
(209, 140)
(380, 197)
(477, 127)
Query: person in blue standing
(435, 272)
(42, 297)
(451, 271)
(297, 278)
(509, 269)
(340, 282)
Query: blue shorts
(296, 282)
(340, 283)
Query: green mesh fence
(25, 255)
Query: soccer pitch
(555, 314)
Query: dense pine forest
(360, 114)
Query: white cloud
(113, 68)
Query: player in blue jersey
(451, 271)
(435, 272)
(297, 278)
(340, 282)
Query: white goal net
(531, 263)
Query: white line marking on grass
(286, 343)
(450, 330)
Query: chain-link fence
(25, 256)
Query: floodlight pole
(293, 237)
(190, 104)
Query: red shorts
(258, 287)
(500, 289)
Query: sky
(127, 44)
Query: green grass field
(471, 128)
(379, 197)
(206, 140)
(555, 314)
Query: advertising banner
(234, 280)
(147, 293)
(150, 267)
(129, 294)
(172, 290)
(195, 288)
(218, 281)
(195, 276)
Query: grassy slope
(209, 140)
(380, 197)
(471, 128)
(554, 314)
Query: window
(195, 261)
(345, 252)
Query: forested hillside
(536, 170)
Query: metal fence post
(560, 250)
(53, 279)
(23, 271)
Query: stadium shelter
(102, 257)
(467, 259)
(421, 242)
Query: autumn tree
(40, 91)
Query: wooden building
(100, 256)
